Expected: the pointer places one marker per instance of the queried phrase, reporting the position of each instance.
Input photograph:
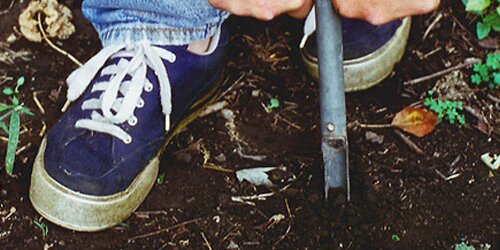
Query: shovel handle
(331, 71)
(332, 98)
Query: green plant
(43, 227)
(465, 246)
(12, 112)
(488, 72)
(490, 15)
(445, 109)
(161, 178)
(395, 237)
(273, 104)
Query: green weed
(465, 246)
(161, 178)
(43, 227)
(488, 72)
(489, 11)
(273, 104)
(12, 111)
(445, 109)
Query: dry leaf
(57, 20)
(416, 121)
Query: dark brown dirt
(395, 191)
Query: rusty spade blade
(334, 145)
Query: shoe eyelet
(140, 104)
(128, 140)
(148, 87)
(132, 121)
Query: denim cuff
(158, 34)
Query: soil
(400, 199)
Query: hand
(264, 9)
(373, 11)
(383, 11)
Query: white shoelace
(309, 26)
(115, 109)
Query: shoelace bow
(115, 109)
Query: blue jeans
(160, 22)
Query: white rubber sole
(367, 71)
(81, 212)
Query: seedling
(124, 225)
(395, 237)
(490, 15)
(465, 246)
(12, 112)
(488, 72)
(161, 179)
(273, 104)
(43, 227)
(445, 109)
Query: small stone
(232, 246)
(11, 38)
(221, 157)
(374, 137)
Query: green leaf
(476, 79)
(477, 6)
(493, 20)
(496, 79)
(15, 101)
(274, 103)
(15, 123)
(43, 227)
(5, 107)
(26, 111)
(493, 61)
(8, 91)
(482, 30)
(20, 82)
(4, 127)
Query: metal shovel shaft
(334, 144)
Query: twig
(232, 85)
(51, 44)
(22, 149)
(279, 117)
(142, 236)
(468, 62)
(409, 142)
(375, 125)
(37, 102)
(216, 107)
(3, 12)
(239, 151)
(147, 213)
(432, 25)
(217, 168)
(289, 228)
(206, 241)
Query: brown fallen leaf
(416, 121)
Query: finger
(303, 11)
(261, 9)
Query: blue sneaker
(370, 52)
(98, 163)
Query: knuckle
(431, 5)
(215, 3)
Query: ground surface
(399, 198)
